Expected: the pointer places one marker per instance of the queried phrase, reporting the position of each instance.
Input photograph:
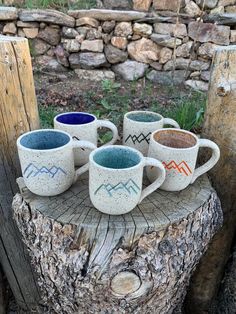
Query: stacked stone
(150, 41)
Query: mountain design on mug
(130, 187)
(33, 171)
(182, 167)
(140, 138)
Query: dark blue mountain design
(139, 139)
(32, 171)
(130, 186)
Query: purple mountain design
(32, 171)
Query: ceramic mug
(178, 151)
(47, 161)
(116, 177)
(138, 127)
(83, 126)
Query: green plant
(60, 4)
(109, 86)
(46, 115)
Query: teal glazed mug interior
(116, 177)
(178, 151)
(47, 161)
(138, 127)
(83, 126)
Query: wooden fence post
(18, 114)
(219, 126)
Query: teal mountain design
(130, 187)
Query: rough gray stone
(115, 4)
(142, 29)
(178, 30)
(9, 28)
(61, 55)
(48, 64)
(130, 70)
(93, 33)
(205, 75)
(167, 78)
(144, 50)
(183, 64)
(39, 47)
(69, 32)
(87, 60)
(47, 16)
(71, 45)
(87, 21)
(123, 29)
(8, 13)
(108, 15)
(197, 85)
(50, 35)
(208, 3)
(108, 26)
(192, 9)
(95, 75)
(115, 55)
(27, 24)
(184, 50)
(207, 50)
(166, 40)
(92, 45)
(167, 5)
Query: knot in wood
(125, 283)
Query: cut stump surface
(141, 262)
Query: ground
(111, 100)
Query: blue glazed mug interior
(44, 140)
(75, 118)
(116, 158)
(144, 116)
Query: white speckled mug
(47, 161)
(178, 151)
(83, 126)
(116, 177)
(138, 127)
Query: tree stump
(141, 262)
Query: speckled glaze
(47, 161)
(138, 127)
(116, 176)
(83, 126)
(178, 151)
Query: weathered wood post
(18, 114)
(219, 126)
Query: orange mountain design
(182, 167)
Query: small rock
(87, 21)
(167, 78)
(218, 10)
(156, 65)
(49, 64)
(207, 50)
(195, 74)
(182, 64)
(184, 50)
(50, 35)
(230, 9)
(136, 37)
(207, 32)
(115, 55)
(39, 47)
(233, 36)
(92, 45)
(106, 38)
(197, 85)
(9, 28)
(130, 70)
(93, 34)
(165, 55)
(142, 29)
(192, 9)
(27, 24)
(42, 25)
(119, 42)
(142, 5)
(87, 60)
(108, 26)
(80, 38)
(205, 75)
(207, 3)
(167, 5)
(95, 75)
(69, 32)
(225, 3)
(31, 32)
(114, 4)
(61, 55)
(166, 40)
(178, 30)
(20, 32)
(71, 45)
(198, 65)
(83, 30)
(123, 29)
(144, 50)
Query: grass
(60, 4)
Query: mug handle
(158, 182)
(211, 162)
(84, 168)
(171, 122)
(112, 127)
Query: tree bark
(141, 262)
(18, 114)
(219, 126)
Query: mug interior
(144, 116)
(44, 140)
(75, 118)
(116, 158)
(175, 138)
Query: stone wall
(168, 40)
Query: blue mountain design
(32, 171)
(130, 186)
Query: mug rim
(91, 157)
(177, 130)
(19, 145)
(143, 111)
(75, 113)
